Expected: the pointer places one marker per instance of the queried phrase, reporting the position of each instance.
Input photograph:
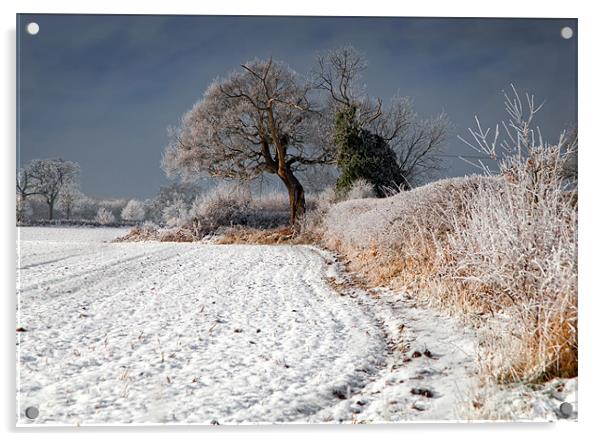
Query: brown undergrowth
(142, 234)
(485, 250)
(276, 236)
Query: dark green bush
(362, 154)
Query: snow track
(184, 333)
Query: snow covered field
(195, 333)
(155, 332)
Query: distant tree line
(48, 190)
(48, 179)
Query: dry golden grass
(242, 235)
(528, 346)
(276, 236)
(481, 249)
(138, 234)
(177, 235)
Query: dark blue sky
(101, 90)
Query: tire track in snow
(98, 263)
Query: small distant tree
(167, 195)
(133, 211)
(70, 198)
(49, 177)
(104, 216)
(25, 189)
(261, 119)
(87, 207)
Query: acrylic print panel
(229, 220)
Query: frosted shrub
(324, 200)
(225, 205)
(517, 254)
(274, 201)
(140, 233)
(272, 210)
(176, 214)
(408, 222)
(232, 205)
(104, 216)
(320, 204)
(167, 195)
(498, 250)
(361, 189)
(528, 267)
(133, 211)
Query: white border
(462, 8)
(590, 162)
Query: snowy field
(194, 333)
(155, 332)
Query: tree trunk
(50, 210)
(20, 208)
(296, 196)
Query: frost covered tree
(167, 195)
(49, 177)
(104, 216)
(70, 198)
(260, 119)
(25, 189)
(133, 211)
(388, 146)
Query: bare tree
(338, 73)
(25, 189)
(416, 143)
(24, 185)
(261, 119)
(49, 177)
